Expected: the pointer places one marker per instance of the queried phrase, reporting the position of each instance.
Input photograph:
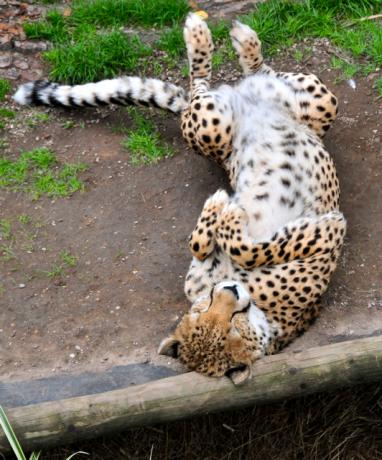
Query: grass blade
(11, 436)
(75, 453)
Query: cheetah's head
(215, 338)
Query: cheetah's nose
(241, 294)
(234, 290)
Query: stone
(5, 42)
(31, 47)
(21, 64)
(10, 74)
(32, 75)
(5, 60)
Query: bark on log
(276, 377)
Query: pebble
(21, 285)
(31, 47)
(10, 74)
(23, 65)
(5, 60)
(5, 42)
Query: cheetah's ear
(169, 347)
(240, 374)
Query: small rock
(31, 47)
(10, 74)
(23, 65)
(32, 75)
(5, 60)
(21, 285)
(5, 42)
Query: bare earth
(129, 231)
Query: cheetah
(264, 255)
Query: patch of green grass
(185, 71)
(220, 31)
(144, 142)
(378, 85)
(5, 88)
(82, 52)
(68, 124)
(172, 41)
(280, 23)
(68, 259)
(38, 173)
(157, 68)
(6, 113)
(217, 59)
(145, 148)
(53, 28)
(55, 271)
(95, 56)
(6, 252)
(65, 260)
(37, 119)
(348, 69)
(5, 229)
(147, 13)
(298, 55)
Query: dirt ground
(129, 230)
(97, 326)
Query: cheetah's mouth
(244, 310)
(238, 368)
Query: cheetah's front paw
(231, 230)
(202, 239)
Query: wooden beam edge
(285, 375)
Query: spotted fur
(264, 255)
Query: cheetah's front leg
(297, 240)
(202, 240)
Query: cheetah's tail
(122, 91)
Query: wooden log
(276, 377)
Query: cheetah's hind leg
(199, 47)
(248, 46)
(207, 124)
